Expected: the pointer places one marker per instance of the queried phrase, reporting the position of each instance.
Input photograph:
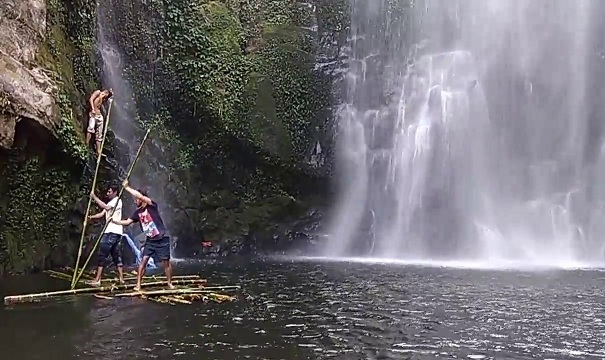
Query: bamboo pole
(101, 296)
(177, 300)
(224, 287)
(76, 278)
(164, 292)
(132, 278)
(94, 182)
(173, 277)
(58, 275)
(112, 288)
(68, 277)
(221, 297)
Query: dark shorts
(110, 246)
(157, 249)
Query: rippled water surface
(315, 310)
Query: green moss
(35, 203)
(228, 221)
(39, 192)
(69, 57)
(267, 94)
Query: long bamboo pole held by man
(94, 183)
(76, 278)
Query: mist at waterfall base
(471, 134)
(124, 113)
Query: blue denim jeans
(110, 246)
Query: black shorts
(110, 246)
(157, 249)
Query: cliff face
(41, 142)
(26, 90)
(239, 95)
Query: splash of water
(468, 132)
(138, 254)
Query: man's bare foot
(137, 288)
(121, 281)
(171, 287)
(93, 283)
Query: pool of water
(315, 309)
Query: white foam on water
(462, 136)
(455, 264)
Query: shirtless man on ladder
(95, 118)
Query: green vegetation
(254, 76)
(40, 182)
(35, 201)
(232, 91)
(68, 54)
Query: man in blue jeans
(157, 244)
(110, 242)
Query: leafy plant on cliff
(231, 91)
(254, 74)
(68, 53)
(35, 201)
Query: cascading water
(124, 111)
(471, 130)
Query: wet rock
(288, 237)
(22, 26)
(25, 88)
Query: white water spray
(469, 132)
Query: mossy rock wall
(251, 66)
(237, 101)
(41, 174)
(238, 94)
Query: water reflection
(117, 328)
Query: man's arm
(97, 216)
(122, 222)
(137, 194)
(101, 204)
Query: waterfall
(116, 21)
(124, 107)
(471, 130)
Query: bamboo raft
(189, 289)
